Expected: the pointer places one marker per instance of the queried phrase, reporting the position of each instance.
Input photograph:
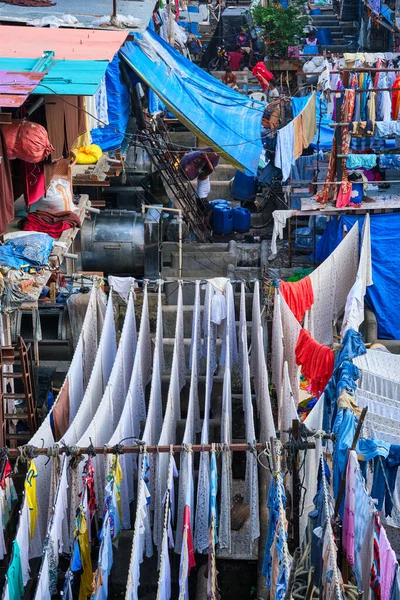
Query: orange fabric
(299, 296)
(316, 360)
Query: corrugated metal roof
(16, 86)
(67, 44)
(68, 78)
(86, 16)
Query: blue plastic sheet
(26, 251)
(383, 297)
(112, 135)
(223, 118)
(326, 132)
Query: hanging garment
(388, 565)
(172, 414)
(316, 361)
(287, 409)
(187, 553)
(122, 383)
(365, 161)
(354, 309)
(309, 120)
(143, 498)
(389, 161)
(6, 187)
(298, 136)
(375, 576)
(280, 218)
(385, 129)
(201, 539)
(284, 154)
(385, 473)
(331, 282)
(259, 369)
(251, 477)
(396, 99)
(15, 585)
(226, 427)
(346, 116)
(349, 507)
(291, 331)
(164, 578)
(193, 424)
(122, 285)
(30, 493)
(212, 573)
(299, 296)
(277, 357)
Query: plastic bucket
(324, 36)
(244, 187)
(315, 11)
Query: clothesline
(139, 449)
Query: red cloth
(186, 525)
(299, 296)
(235, 58)
(262, 74)
(34, 184)
(316, 360)
(52, 223)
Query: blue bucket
(244, 187)
(315, 11)
(324, 36)
(357, 193)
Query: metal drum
(113, 242)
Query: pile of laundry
(51, 223)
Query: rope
(26, 454)
(338, 590)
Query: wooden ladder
(8, 356)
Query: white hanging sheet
(226, 430)
(354, 309)
(122, 285)
(251, 480)
(291, 331)
(133, 411)
(172, 414)
(310, 463)
(289, 411)
(332, 282)
(164, 578)
(260, 372)
(187, 545)
(193, 424)
(203, 486)
(277, 350)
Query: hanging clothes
(396, 99)
(6, 187)
(347, 109)
(299, 296)
(143, 498)
(201, 539)
(187, 561)
(284, 154)
(172, 414)
(192, 425)
(164, 578)
(30, 493)
(291, 331)
(316, 361)
(212, 573)
(15, 586)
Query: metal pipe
(151, 449)
(173, 210)
(92, 209)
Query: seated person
(229, 79)
(311, 40)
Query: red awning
(15, 87)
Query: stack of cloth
(51, 223)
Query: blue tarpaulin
(27, 251)
(326, 132)
(383, 297)
(112, 135)
(221, 117)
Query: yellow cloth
(351, 57)
(117, 483)
(298, 136)
(309, 120)
(371, 107)
(86, 584)
(30, 493)
(88, 155)
(85, 139)
(346, 400)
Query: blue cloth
(228, 121)
(27, 251)
(384, 129)
(213, 490)
(326, 132)
(345, 428)
(362, 501)
(389, 161)
(112, 135)
(382, 297)
(328, 240)
(365, 161)
(76, 564)
(352, 346)
(379, 487)
(273, 506)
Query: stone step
(223, 173)
(213, 261)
